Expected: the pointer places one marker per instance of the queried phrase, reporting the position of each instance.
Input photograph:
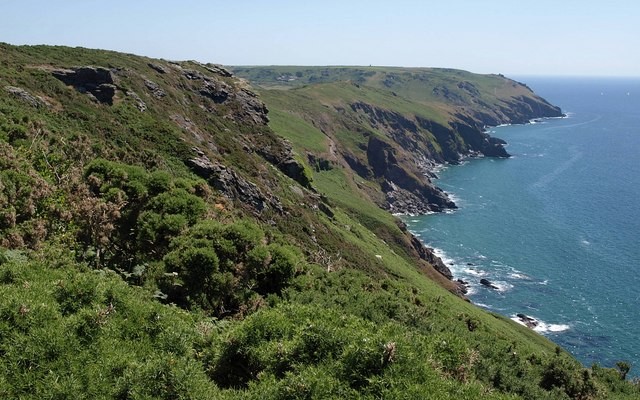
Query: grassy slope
(414, 84)
(360, 318)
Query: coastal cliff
(394, 127)
(170, 230)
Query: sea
(556, 227)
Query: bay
(556, 226)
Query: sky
(537, 37)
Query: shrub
(76, 292)
(223, 268)
(280, 269)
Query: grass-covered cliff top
(160, 239)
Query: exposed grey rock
(252, 106)
(326, 209)
(429, 256)
(96, 81)
(140, 104)
(192, 74)
(218, 69)
(34, 101)
(406, 192)
(283, 158)
(217, 91)
(231, 184)
(462, 286)
(158, 68)
(155, 90)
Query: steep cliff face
(425, 117)
(389, 128)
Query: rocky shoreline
(413, 209)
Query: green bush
(278, 272)
(224, 268)
(145, 211)
(76, 292)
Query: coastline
(448, 267)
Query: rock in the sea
(463, 286)
(528, 321)
(488, 283)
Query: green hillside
(159, 238)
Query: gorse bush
(130, 216)
(226, 268)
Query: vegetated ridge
(160, 238)
(394, 125)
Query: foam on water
(502, 286)
(518, 275)
(475, 272)
(541, 326)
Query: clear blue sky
(537, 37)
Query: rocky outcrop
(406, 191)
(155, 90)
(281, 155)
(478, 140)
(523, 109)
(140, 104)
(252, 107)
(218, 69)
(158, 68)
(429, 256)
(34, 101)
(231, 184)
(244, 104)
(96, 82)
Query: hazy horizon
(551, 39)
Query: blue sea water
(556, 226)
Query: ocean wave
(541, 326)
(518, 275)
(502, 286)
(555, 328)
(449, 262)
(474, 272)
(471, 290)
